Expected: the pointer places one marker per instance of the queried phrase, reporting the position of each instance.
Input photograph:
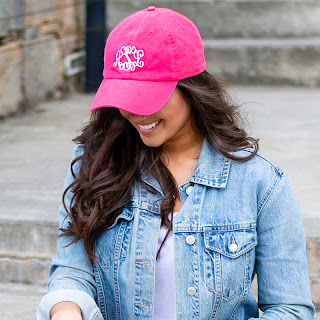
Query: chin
(152, 143)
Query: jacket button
(233, 247)
(190, 240)
(189, 190)
(191, 291)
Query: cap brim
(137, 97)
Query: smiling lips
(148, 128)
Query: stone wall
(248, 42)
(35, 36)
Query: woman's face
(172, 123)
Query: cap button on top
(151, 8)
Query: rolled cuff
(88, 306)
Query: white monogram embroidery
(129, 53)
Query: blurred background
(43, 43)
(51, 61)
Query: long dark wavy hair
(114, 156)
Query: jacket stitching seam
(268, 195)
(102, 303)
(244, 292)
(279, 171)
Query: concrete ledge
(276, 61)
(27, 297)
(313, 256)
(26, 256)
(225, 18)
(33, 274)
(20, 302)
(24, 271)
(27, 237)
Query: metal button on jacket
(189, 190)
(191, 291)
(233, 247)
(190, 240)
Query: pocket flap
(231, 244)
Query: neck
(186, 146)
(181, 157)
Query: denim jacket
(237, 219)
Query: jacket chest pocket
(229, 260)
(112, 245)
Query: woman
(168, 211)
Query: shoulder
(78, 150)
(215, 167)
(258, 165)
(75, 164)
(258, 174)
(76, 158)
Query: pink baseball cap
(145, 56)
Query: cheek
(177, 120)
(125, 114)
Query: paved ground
(36, 148)
(19, 302)
(287, 121)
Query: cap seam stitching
(173, 47)
(135, 31)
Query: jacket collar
(212, 170)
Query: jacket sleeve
(281, 265)
(71, 274)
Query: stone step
(32, 238)
(24, 270)
(26, 256)
(265, 61)
(20, 302)
(235, 18)
(25, 259)
(36, 150)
